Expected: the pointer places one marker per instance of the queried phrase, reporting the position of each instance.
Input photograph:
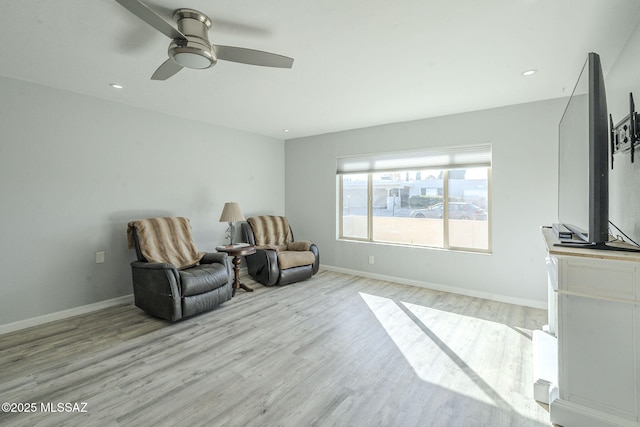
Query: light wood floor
(335, 350)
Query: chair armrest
(316, 265)
(263, 266)
(299, 245)
(156, 289)
(211, 257)
(153, 265)
(155, 277)
(220, 258)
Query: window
(437, 198)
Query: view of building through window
(444, 208)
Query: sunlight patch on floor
(436, 345)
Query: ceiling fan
(190, 46)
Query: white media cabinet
(594, 325)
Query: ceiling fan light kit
(197, 52)
(190, 46)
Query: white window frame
(445, 159)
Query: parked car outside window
(457, 210)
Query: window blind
(438, 158)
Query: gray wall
(624, 179)
(75, 169)
(524, 197)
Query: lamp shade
(231, 213)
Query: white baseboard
(460, 291)
(39, 320)
(127, 299)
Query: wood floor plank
(335, 350)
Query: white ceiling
(358, 63)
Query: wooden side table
(236, 253)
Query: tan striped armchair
(279, 259)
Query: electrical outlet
(99, 257)
(371, 260)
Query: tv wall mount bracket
(625, 136)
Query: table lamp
(231, 213)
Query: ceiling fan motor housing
(197, 51)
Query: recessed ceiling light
(529, 72)
(285, 130)
(116, 86)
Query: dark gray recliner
(171, 279)
(279, 259)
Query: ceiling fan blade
(166, 70)
(145, 13)
(252, 57)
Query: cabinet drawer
(597, 279)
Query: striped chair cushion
(271, 230)
(166, 240)
(289, 259)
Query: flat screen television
(583, 180)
